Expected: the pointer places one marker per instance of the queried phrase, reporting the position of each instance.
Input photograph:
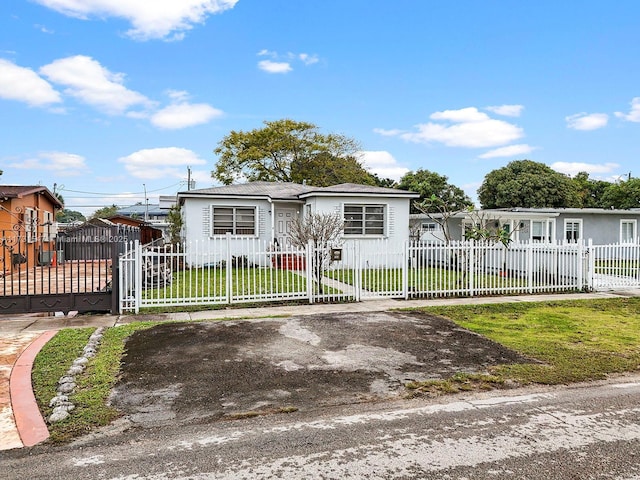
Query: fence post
(472, 259)
(357, 272)
(591, 265)
(529, 267)
(138, 267)
(405, 270)
(115, 270)
(310, 264)
(228, 269)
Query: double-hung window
(628, 231)
(541, 231)
(572, 230)
(233, 220)
(364, 219)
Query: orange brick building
(27, 226)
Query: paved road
(583, 432)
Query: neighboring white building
(266, 210)
(545, 225)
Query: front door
(284, 220)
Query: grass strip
(93, 386)
(573, 340)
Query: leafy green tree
(622, 195)
(529, 184)
(589, 191)
(68, 216)
(174, 218)
(325, 169)
(384, 182)
(436, 193)
(283, 150)
(105, 212)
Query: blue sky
(109, 98)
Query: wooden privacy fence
(231, 269)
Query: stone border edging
(61, 404)
(32, 428)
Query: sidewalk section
(11, 347)
(29, 421)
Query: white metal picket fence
(614, 266)
(232, 270)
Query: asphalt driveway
(205, 372)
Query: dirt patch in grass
(211, 371)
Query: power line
(116, 194)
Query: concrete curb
(30, 424)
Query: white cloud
(184, 115)
(467, 128)
(388, 133)
(282, 63)
(155, 163)
(61, 163)
(572, 168)
(584, 121)
(91, 83)
(25, 85)
(308, 59)
(507, 110)
(274, 67)
(267, 53)
(509, 151)
(383, 164)
(634, 113)
(159, 19)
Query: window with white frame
(233, 220)
(542, 231)
(430, 227)
(628, 231)
(572, 229)
(364, 219)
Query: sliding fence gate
(232, 270)
(72, 271)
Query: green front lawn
(574, 340)
(423, 279)
(212, 283)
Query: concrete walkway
(21, 337)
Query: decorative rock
(60, 403)
(58, 399)
(75, 370)
(58, 416)
(66, 387)
(63, 408)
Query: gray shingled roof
(279, 190)
(354, 188)
(293, 191)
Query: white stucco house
(265, 211)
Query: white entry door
(284, 219)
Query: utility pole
(146, 203)
(188, 178)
